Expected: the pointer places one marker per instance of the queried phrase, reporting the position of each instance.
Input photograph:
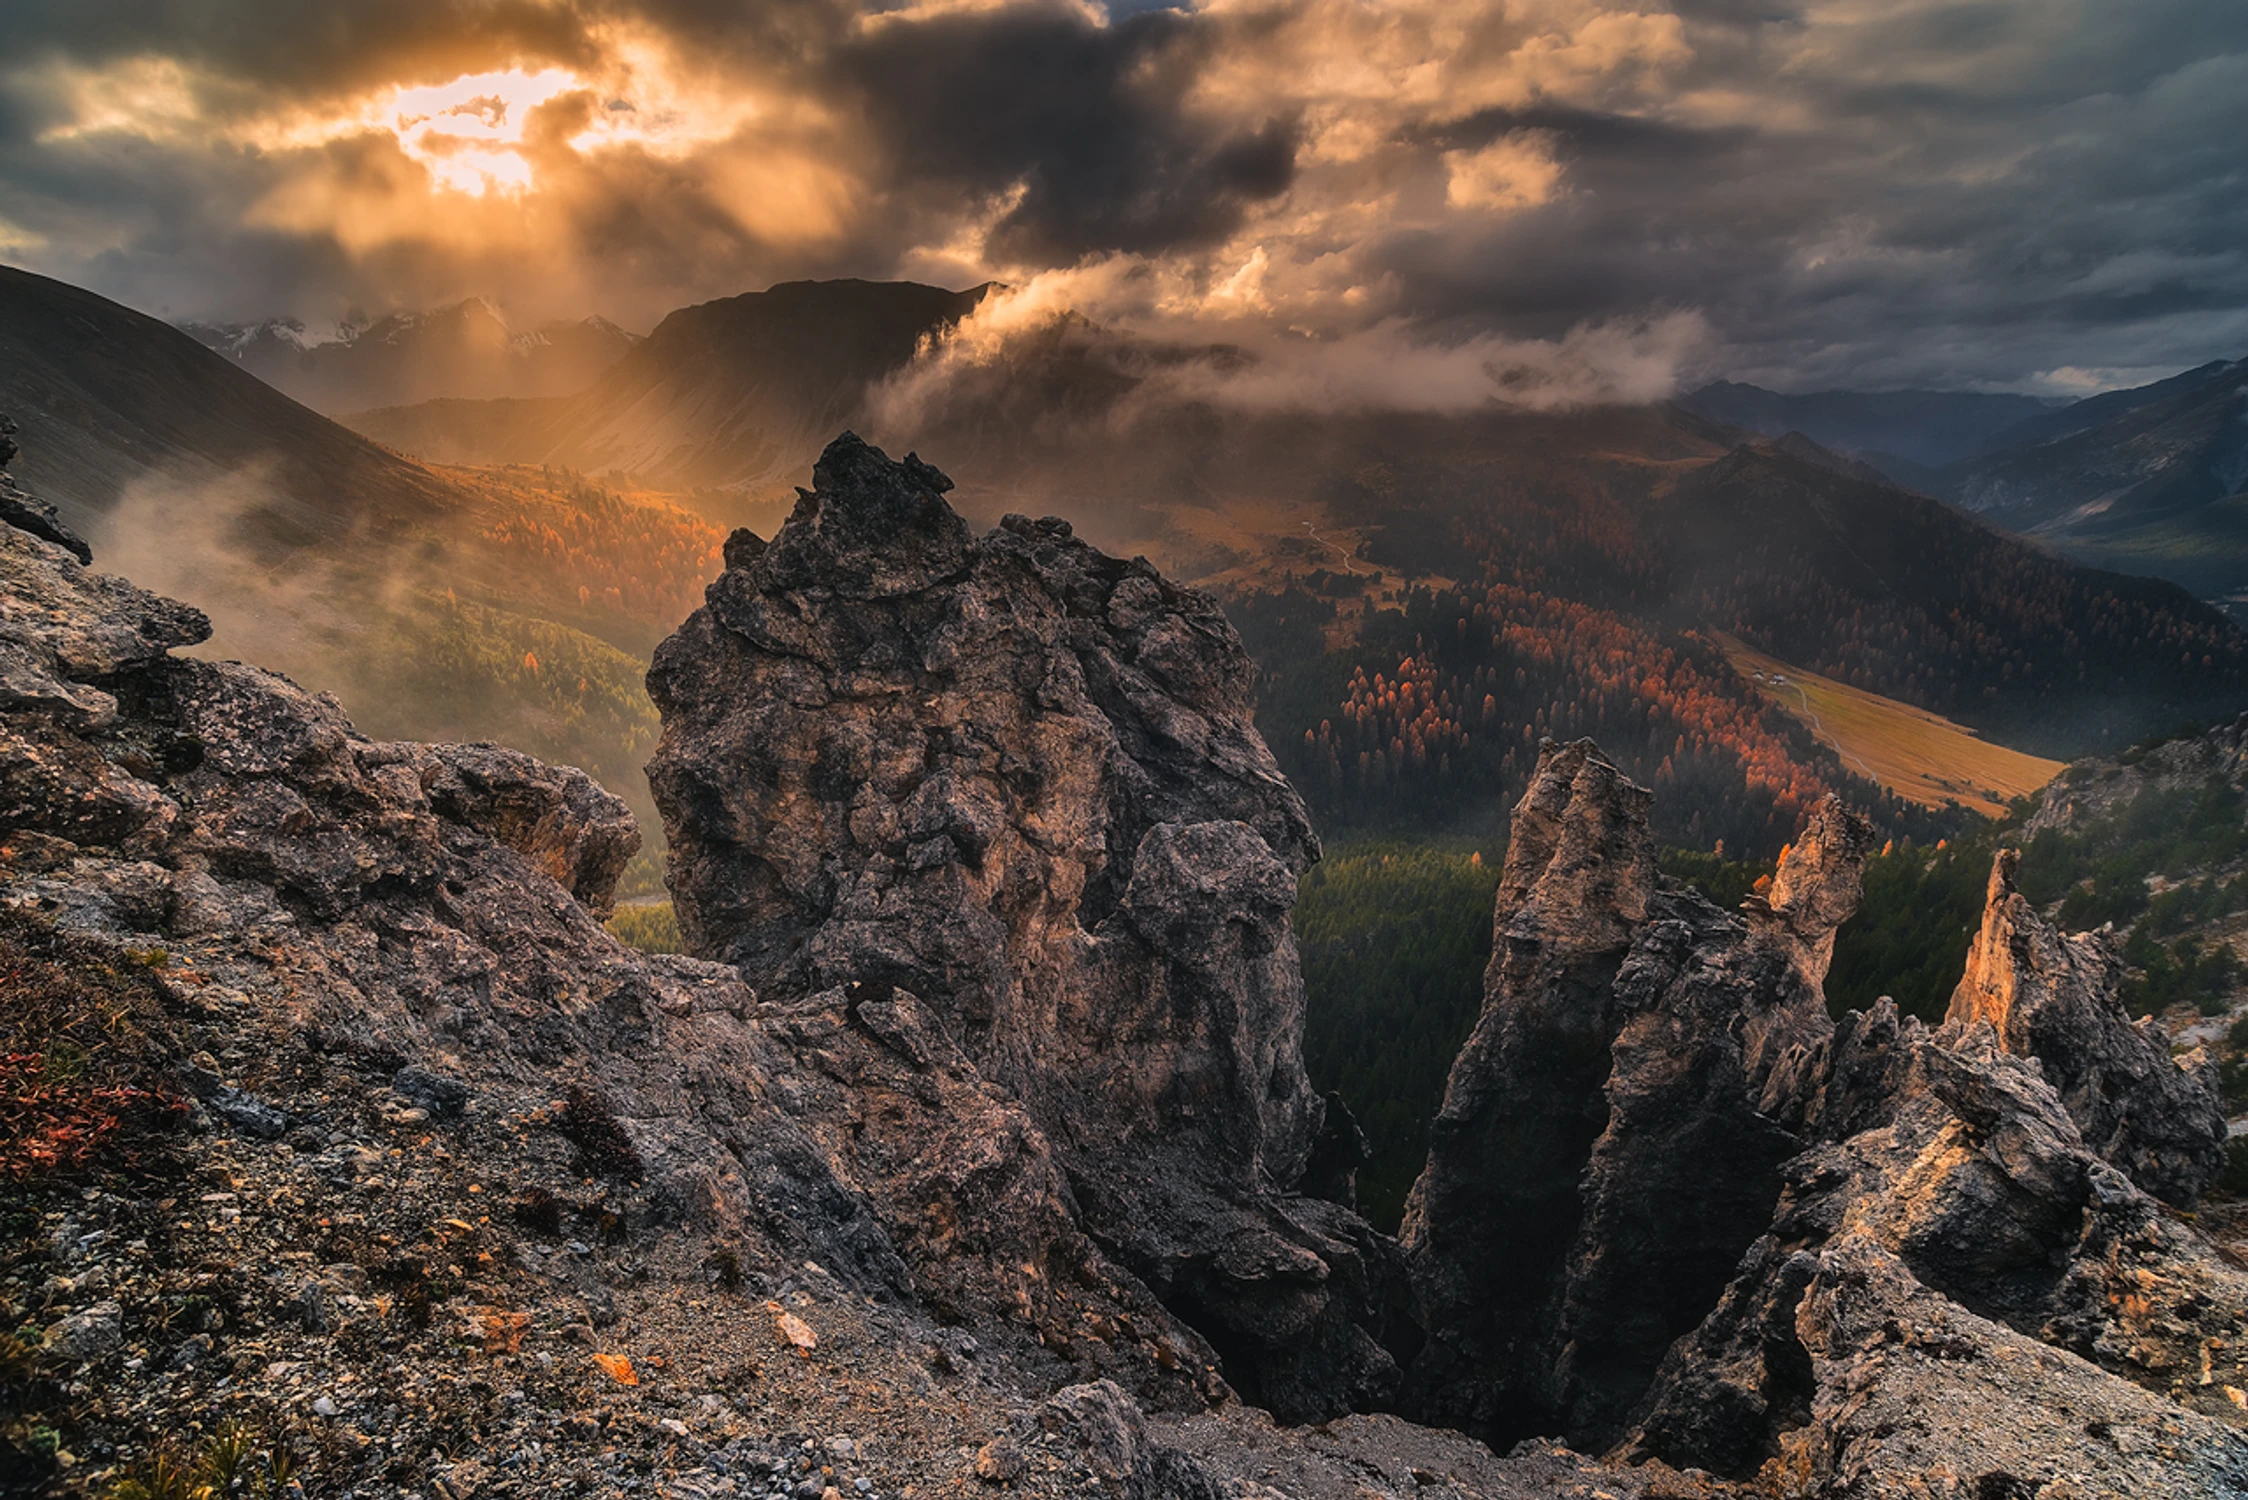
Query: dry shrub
(87, 1044)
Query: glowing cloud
(469, 133)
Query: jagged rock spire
(1604, 1153)
(1019, 779)
(2057, 997)
(1819, 882)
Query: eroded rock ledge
(1012, 784)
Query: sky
(2042, 195)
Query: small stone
(89, 1333)
(999, 1461)
(440, 1096)
(249, 1114)
(322, 1406)
(792, 1330)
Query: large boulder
(1018, 779)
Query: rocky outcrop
(1018, 780)
(2057, 998)
(1671, 1207)
(1959, 1283)
(1604, 1151)
(412, 911)
(2093, 792)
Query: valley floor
(1920, 756)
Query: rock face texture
(993, 1207)
(28, 512)
(1017, 780)
(1602, 1153)
(2056, 998)
(1672, 1208)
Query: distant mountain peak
(467, 348)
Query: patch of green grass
(233, 1461)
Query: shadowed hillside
(114, 404)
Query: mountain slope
(1903, 596)
(2185, 447)
(113, 403)
(2154, 485)
(2090, 412)
(1594, 609)
(473, 605)
(736, 394)
(465, 350)
(1925, 428)
(1914, 753)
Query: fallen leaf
(617, 1367)
(793, 1331)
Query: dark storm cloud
(2075, 203)
(302, 46)
(1586, 136)
(1092, 122)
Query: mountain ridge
(1924, 428)
(733, 394)
(464, 348)
(110, 400)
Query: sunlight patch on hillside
(1914, 753)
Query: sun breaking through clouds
(2006, 193)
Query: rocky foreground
(347, 1152)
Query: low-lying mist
(383, 624)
